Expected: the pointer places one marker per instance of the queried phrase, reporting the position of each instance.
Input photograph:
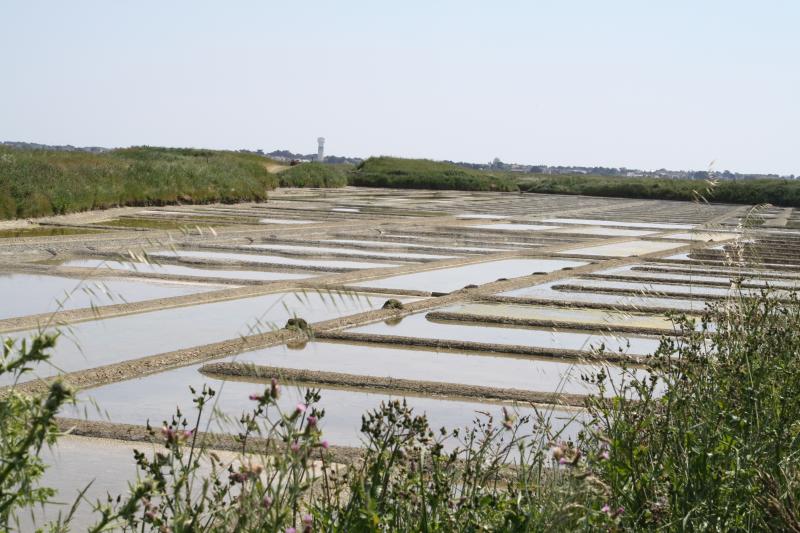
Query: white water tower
(320, 149)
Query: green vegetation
(314, 175)
(43, 182)
(707, 439)
(42, 231)
(757, 191)
(423, 174)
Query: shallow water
(450, 279)
(389, 244)
(284, 221)
(702, 237)
(419, 326)
(623, 249)
(642, 276)
(572, 315)
(479, 369)
(516, 227)
(155, 397)
(271, 259)
(605, 232)
(102, 342)
(594, 222)
(179, 270)
(325, 250)
(544, 291)
(481, 216)
(647, 287)
(33, 294)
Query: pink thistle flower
(620, 510)
(256, 397)
(606, 509)
(324, 444)
(604, 455)
(312, 421)
(295, 447)
(266, 503)
(307, 519)
(300, 408)
(291, 530)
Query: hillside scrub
(37, 183)
(314, 175)
(777, 192)
(400, 173)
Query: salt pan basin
(155, 397)
(179, 270)
(325, 250)
(516, 227)
(616, 223)
(33, 294)
(450, 279)
(275, 260)
(598, 317)
(544, 291)
(101, 342)
(623, 249)
(468, 368)
(419, 326)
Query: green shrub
(44, 182)
(778, 192)
(314, 175)
(424, 174)
(27, 424)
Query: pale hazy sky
(637, 83)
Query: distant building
(320, 149)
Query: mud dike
(498, 300)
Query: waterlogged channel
(329, 250)
(544, 291)
(705, 275)
(420, 326)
